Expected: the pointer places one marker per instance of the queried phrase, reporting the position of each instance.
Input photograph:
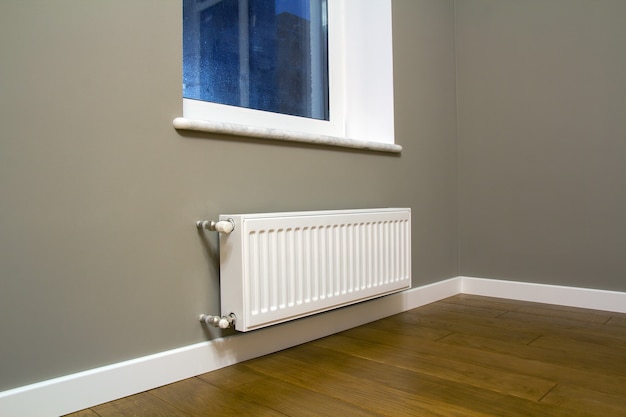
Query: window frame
(360, 89)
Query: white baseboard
(85, 389)
(549, 294)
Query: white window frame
(360, 89)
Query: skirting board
(85, 389)
(549, 294)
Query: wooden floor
(462, 356)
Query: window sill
(182, 123)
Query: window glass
(269, 55)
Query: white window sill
(183, 123)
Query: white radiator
(276, 267)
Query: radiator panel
(277, 267)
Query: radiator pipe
(223, 322)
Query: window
(315, 71)
(258, 54)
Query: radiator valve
(223, 226)
(223, 322)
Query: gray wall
(542, 140)
(100, 260)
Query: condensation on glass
(269, 55)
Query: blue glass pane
(268, 55)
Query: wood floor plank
(391, 335)
(446, 363)
(589, 400)
(617, 321)
(434, 392)
(565, 321)
(476, 310)
(232, 378)
(139, 405)
(585, 316)
(600, 333)
(503, 356)
(459, 322)
(514, 325)
(200, 399)
(294, 400)
(502, 359)
(577, 351)
(400, 324)
(602, 339)
(590, 363)
(285, 397)
(333, 378)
